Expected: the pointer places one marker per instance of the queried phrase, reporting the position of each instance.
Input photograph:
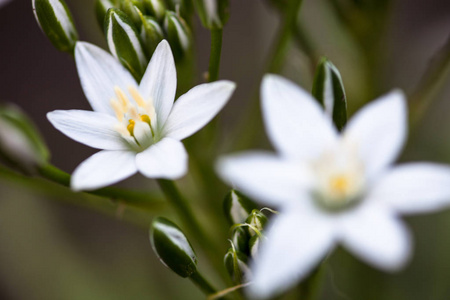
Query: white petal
(377, 237)
(165, 159)
(379, 131)
(102, 169)
(99, 73)
(196, 108)
(160, 81)
(296, 243)
(265, 177)
(414, 188)
(295, 122)
(93, 129)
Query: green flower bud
(237, 207)
(55, 20)
(256, 220)
(101, 8)
(236, 265)
(124, 44)
(254, 244)
(21, 145)
(240, 239)
(151, 34)
(214, 14)
(129, 8)
(328, 89)
(172, 247)
(183, 7)
(178, 34)
(155, 8)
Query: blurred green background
(52, 248)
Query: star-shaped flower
(332, 188)
(137, 127)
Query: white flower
(137, 127)
(332, 188)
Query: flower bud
(124, 44)
(213, 13)
(21, 145)
(257, 220)
(254, 244)
(151, 34)
(236, 265)
(178, 34)
(155, 8)
(101, 8)
(129, 8)
(172, 247)
(237, 207)
(55, 20)
(240, 239)
(328, 89)
(182, 7)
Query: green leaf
(328, 89)
(55, 20)
(172, 247)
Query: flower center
(340, 179)
(136, 118)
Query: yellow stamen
(130, 127)
(117, 109)
(146, 119)
(122, 97)
(137, 97)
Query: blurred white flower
(332, 188)
(137, 127)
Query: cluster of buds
(132, 28)
(247, 233)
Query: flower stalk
(214, 59)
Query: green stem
(133, 198)
(275, 64)
(285, 36)
(305, 43)
(432, 80)
(214, 59)
(202, 283)
(310, 288)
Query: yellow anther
(122, 97)
(146, 119)
(117, 109)
(130, 126)
(137, 97)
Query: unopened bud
(328, 89)
(214, 14)
(236, 265)
(21, 145)
(240, 239)
(155, 8)
(254, 244)
(55, 20)
(124, 44)
(172, 247)
(178, 34)
(129, 8)
(101, 8)
(257, 221)
(237, 207)
(151, 34)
